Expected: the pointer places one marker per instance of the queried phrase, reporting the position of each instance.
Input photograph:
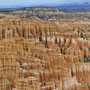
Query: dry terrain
(43, 55)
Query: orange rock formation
(42, 56)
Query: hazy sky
(36, 2)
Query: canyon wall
(41, 56)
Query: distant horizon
(27, 3)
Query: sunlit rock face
(44, 56)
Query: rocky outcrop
(41, 56)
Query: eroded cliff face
(41, 56)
